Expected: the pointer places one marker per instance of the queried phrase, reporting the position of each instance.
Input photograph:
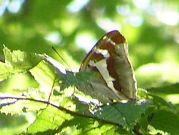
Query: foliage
(65, 113)
(38, 95)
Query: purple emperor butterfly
(114, 80)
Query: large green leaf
(124, 114)
(166, 121)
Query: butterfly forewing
(114, 74)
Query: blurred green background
(74, 26)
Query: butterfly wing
(114, 73)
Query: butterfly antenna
(60, 57)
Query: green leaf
(168, 92)
(12, 107)
(12, 125)
(165, 89)
(17, 62)
(48, 121)
(21, 60)
(82, 125)
(161, 103)
(5, 71)
(66, 78)
(124, 114)
(45, 75)
(166, 121)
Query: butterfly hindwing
(109, 59)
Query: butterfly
(109, 62)
(114, 78)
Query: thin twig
(60, 108)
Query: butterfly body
(114, 73)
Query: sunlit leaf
(21, 60)
(17, 62)
(48, 121)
